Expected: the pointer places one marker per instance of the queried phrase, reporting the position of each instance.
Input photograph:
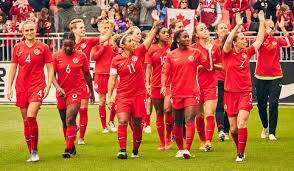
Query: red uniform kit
(238, 87)
(69, 76)
(220, 75)
(30, 81)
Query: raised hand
(281, 23)
(155, 15)
(261, 16)
(239, 20)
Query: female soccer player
(208, 86)
(103, 54)
(68, 64)
(238, 87)
(131, 89)
(268, 78)
(182, 63)
(155, 59)
(85, 45)
(31, 56)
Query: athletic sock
(190, 132)
(210, 127)
(102, 113)
(235, 138)
(242, 139)
(122, 136)
(27, 134)
(112, 113)
(137, 137)
(83, 121)
(147, 120)
(179, 136)
(64, 132)
(70, 137)
(200, 125)
(33, 128)
(169, 126)
(160, 128)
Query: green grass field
(100, 150)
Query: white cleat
(240, 158)
(180, 153)
(227, 137)
(134, 155)
(222, 135)
(34, 156)
(272, 137)
(29, 160)
(264, 132)
(105, 130)
(81, 141)
(186, 154)
(112, 126)
(148, 129)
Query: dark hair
(27, 14)
(174, 45)
(160, 27)
(225, 39)
(216, 28)
(173, 25)
(121, 15)
(114, 9)
(69, 35)
(144, 35)
(4, 17)
(117, 38)
(168, 4)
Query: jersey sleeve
(205, 59)
(250, 51)
(86, 64)
(94, 41)
(113, 67)
(287, 42)
(219, 58)
(141, 51)
(47, 54)
(148, 57)
(54, 62)
(165, 72)
(226, 54)
(14, 58)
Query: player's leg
(169, 121)
(210, 106)
(102, 112)
(146, 118)
(200, 125)
(178, 129)
(190, 113)
(226, 126)
(123, 119)
(242, 120)
(26, 127)
(84, 111)
(219, 113)
(137, 135)
(158, 104)
(234, 129)
(62, 114)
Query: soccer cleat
(186, 154)
(105, 130)
(112, 126)
(180, 153)
(29, 160)
(81, 141)
(34, 156)
(207, 146)
(227, 137)
(222, 135)
(202, 146)
(168, 145)
(66, 154)
(73, 151)
(147, 129)
(272, 137)
(122, 155)
(161, 147)
(240, 157)
(264, 132)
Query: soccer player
(68, 64)
(155, 59)
(182, 63)
(103, 54)
(268, 78)
(31, 56)
(238, 87)
(85, 45)
(221, 117)
(208, 86)
(131, 89)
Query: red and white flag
(188, 16)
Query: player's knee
(167, 110)
(190, 119)
(200, 116)
(242, 124)
(102, 102)
(123, 122)
(178, 123)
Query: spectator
(237, 6)
(3, 19)
(9, 43)
(115, 6)
(37, 5)
(161, 8)
(19, 9)
(210, 13)
(66, 13)
(112, 10)
(133, 15)
(43, 23)
(290, 3)
(87, 2)
(269, 7)
(29, 16)
(183, 4)
(54, 3)
(285, 13)
(254, 22)
(119, 25)
(103, 16)
(146, 7)
(122, 3)
(193, 4)
(144, 35)
(5, 6)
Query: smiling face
(202, 31)
(222, 30)
(103, 27)
(183, 4)
(79, 30)
(136, 35)
(29, 31)
(68, 46)
(268, 24)
(241, 42)
(128, 43)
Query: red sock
(70, 137)
(33, 128)
(102, 112)
(210, 127)
(235, 138)
(147, 120)
(137, 137)
(160, 128)
(83, 121)
(169, 126)
(179, 136)
(201, 128)
(64, 132)
(190, 132)
(27, 134)
(112, 113)
(122, 136)
(242, 139)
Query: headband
(122, 39)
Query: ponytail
(174, 44)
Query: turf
(100, 150)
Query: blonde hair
(73, 23)
(28, 22)
(132, 29)
(103, 22)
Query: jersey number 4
(28, 59)
(131, 68)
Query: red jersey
(268, 57)
(10, 43)
(220, 75)
(289, 19)
(207, 78)
(183, 66)
(103, 55)
(130, 72)
(69, 70)
(208, 12)
(31, 61)
(237, 69)
(156, 57)
(243, 5)
(86, 45)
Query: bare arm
(148, 76)
(218, 66)
(50, 72)
(108, 35)
(88, 79)
(260, 35)
(12, 72)
(147, 43)
(59, 90)
(110, 88)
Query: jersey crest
(134, 58)
(37, 52)
(191, 58)
(75, 60)
(83, 45)
(244, 55)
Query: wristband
(272, 27)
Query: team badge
(75, 60)
(83, 45)
(226, 107)
(212, 6)
(274, 43)
(37, 52)
(191, 58)
(95, 86)
(168, 51)
(74, 96)
(134, 58)
(244, 55)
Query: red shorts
(70, 98)
(155, 93)
(85, 90)
(100, 83)
(23, 99)
(234, 102)
(208, 94)
(136, 105)
(180, 103)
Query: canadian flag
(188, 16)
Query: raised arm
(147, 43)
(260, 35)
(108, 35)
(288, 41)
